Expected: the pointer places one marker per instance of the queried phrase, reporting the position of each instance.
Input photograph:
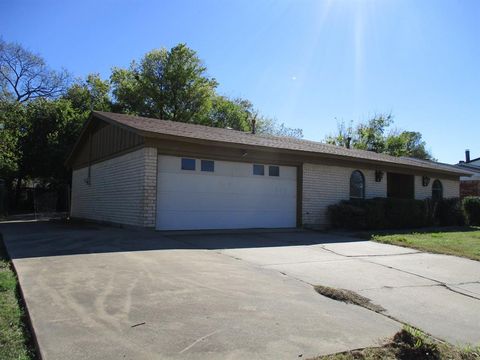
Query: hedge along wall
(382, 213)
(325, 185)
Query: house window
(357, 185)
(273, 171)
(188, 164)
(437, 190)
(208, 165)
(258, 169)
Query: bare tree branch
(25, 75)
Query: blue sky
(306, 63)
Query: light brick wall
(324, 185)
(122, 190)
(451, 188)
(150, 187)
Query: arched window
(357, 185)
(437, 190)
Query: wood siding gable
(101, 140)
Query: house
(470, 185)
(174, 176)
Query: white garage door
(206, 194)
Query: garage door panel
(174, 220)
(227, 201)
(223, 184)
(229, 197)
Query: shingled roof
(149, 127)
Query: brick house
(173, 176)
(470, 185)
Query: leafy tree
(270, 126)
(12, 128)
(343, 136)
(371, 136)
(407, 143)
(25, 76)
(93, 93)
(52, 129)
(173, 85)
(235, 114)
(374, 135)
(166, 84)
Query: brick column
(150, 187)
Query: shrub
(378, 213)
(390, 213)
(448, 212)
(346, 216)
(471, 207)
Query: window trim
(205, 169)
(258, 166)
(186, 168)
(363, 184)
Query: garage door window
(188, 164)
(208, 165)
(273, 171)
(258, 169)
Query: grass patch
(347, 296)
(408, 344)
(15, 339)
(464, 242)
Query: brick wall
(121, 190)
(470, 188)
(324, 185)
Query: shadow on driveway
(50, 238)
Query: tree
(235, 114)
(372, 136)
(407, 143)
(12, 128)
(166, 84)
(25, 76)
(269, 126)
(52, 129)
(93, 93)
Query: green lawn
(463, 242)
(14, 337)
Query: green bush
(378, 213)
(389, 213)
(471, 207)
(448, 212)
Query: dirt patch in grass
(408, 344)
(15, 339)
(348, 296)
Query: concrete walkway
(102, 293)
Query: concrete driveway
(97, 292)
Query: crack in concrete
(437, 282)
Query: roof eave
(153, 135)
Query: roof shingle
(150, 127)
